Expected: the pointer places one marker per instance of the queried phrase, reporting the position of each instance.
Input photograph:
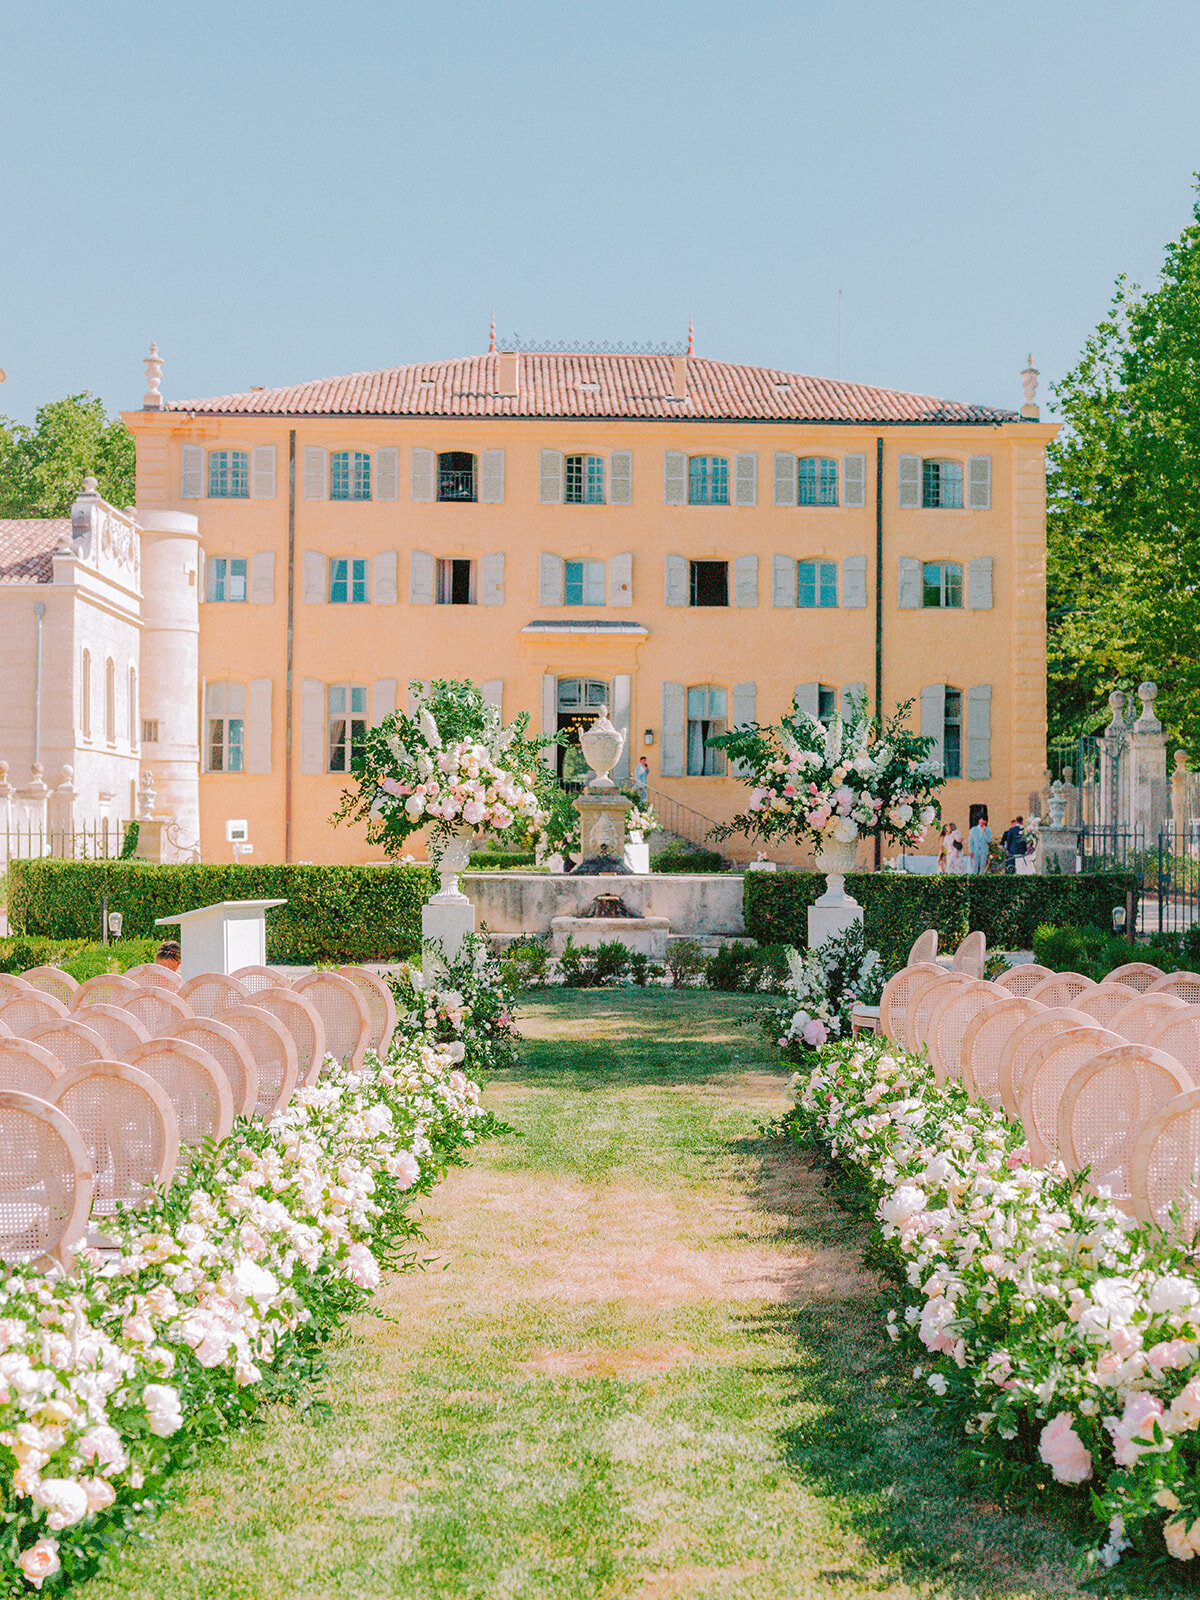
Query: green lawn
(644, 1361)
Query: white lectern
(223, 937)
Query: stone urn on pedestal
(602, 807)
(448, 915)
(835, 910)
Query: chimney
(508, 378)
(679, 380)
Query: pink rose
(815, 1033)
(1063, 1451)
(40, 1561)
(1171, 1353)
(936, 1315)
(364, 1269)
(1134, 1433)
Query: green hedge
(899, 906)
(501, 860)
(674, 859)
(80, 957)
(332, 913)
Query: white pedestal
(637, 856)
(222, 937)
(833, 913)
(448, 917)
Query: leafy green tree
(42, 468)
(1124, 507)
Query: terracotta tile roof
(600, 386)
(27, 547)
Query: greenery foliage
(1124, 505)
(747, 969)
(680, 857)
(1093, 951)
(82, 958)
(899, 906)
(42, 468)
(820, 992)
(464, 1006)
(501, 861)
(608, 965)
(342, 913)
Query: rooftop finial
(1029, 379)
(152, 400)
(492, 341)
(691, 349)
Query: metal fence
(1167, 866)
(104, 840)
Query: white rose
(1173, 1294)
(162, 1409)
(253, 1282)
(903, 1204)
(66, 1502)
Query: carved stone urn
(602, 745)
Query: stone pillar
(1114, 788)
(170, 664)
(1148, 769)
(60, 815)
(1179, 797)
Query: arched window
(110, 701)
(583, 480)
(707, 716)
(816, 583)
(85, 695)
(350, 475)
(942, 485)
(708, 481)
(229, 474)
(942, 585)
(816, 481)
(133, 707)
(456, 475)
(347, 724)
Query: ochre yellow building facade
(563, 528)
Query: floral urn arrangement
(449, 766)
(826, 785)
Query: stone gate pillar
(1147, 788)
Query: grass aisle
(645, 1362)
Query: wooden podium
(223, 937)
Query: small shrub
(685, 962)
(610, 963)
(501, 861)
(526, 963)
(82, 958)
(1093, 951)
(683, 858)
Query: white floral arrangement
(820, 990)
(205, 1300)
(829, 783)
(1037, 1310)
(450, 763)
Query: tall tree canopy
(1124, 507)
(42, 468)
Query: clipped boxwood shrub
(674, 859)
(336, 913)
(501, 860)
(1093, 951)
(897, 906)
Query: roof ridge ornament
(1029, 382)
(152, 399)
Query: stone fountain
(603, 810)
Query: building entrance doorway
(579, 702)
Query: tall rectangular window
(226, 577)
(455, 582)
(708, 583)
(229, 474)
(226, 744)
(350, 475)
(942, 485)
(952, 734)
(826, 702)
(942, 584)
(706, 717)
(583, 583)
(348, 583)
(816, 481)
(816, 583)
(708, 481)
(347, 725)
(583, 480)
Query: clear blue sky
(281, 191)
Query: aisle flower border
(1061, 1335)
(217, 1297)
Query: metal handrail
(685, 822)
